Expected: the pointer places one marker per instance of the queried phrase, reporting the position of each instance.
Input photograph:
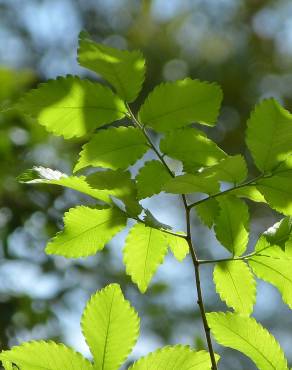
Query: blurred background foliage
(246, 46)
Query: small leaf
(175, 358)
(118, 184)
(269, 134)
(274, 266)
(151, 178)
(42, 355)
(231, 225)
(179, 246)
(113, 148)
(192, 147)
(249, 337)
(208, 211)
(144, 251)
(230, 169)
(176, 104)
(42, 175)
(249, 192)
(72, 107)
(110, 326)
(187, 184)
(123, 69)
(86, 231)
(236, 285)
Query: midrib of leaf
(107, 330)
(271, 268)
(235, 288)
(147, 253)
(267, 157)
(170, 112)
(250, 344)
(231, 230)
(86, 107)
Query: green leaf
(144, 251)
(277, 191)
(249, 192)
(179, 246)
(187, 184)
(72, 107)
(244, 334)
(191, 146)
(111, 327)
(118, 184)
(236, 285)
(43, 175)
(269, 134)
(151, 178)
(124, 70)
(42, 355)
(175, 358)
(208, 211)
(274, 266)
(113, 148)
(86, 231)
(8, 365)
(230, 169)
(231, 225)
(176, 104)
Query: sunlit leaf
(110, 326)
(176, 104)
(72, 107)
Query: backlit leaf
(113, 148)
(187, 184)
(72, 107)
(231, 225)
(111, 327)
(123, 69)
(249, 337)
(236, 285)
(144, 251)
(86, 231)
(176, 104)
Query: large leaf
(236, 285)
(42, 355)
(274, 266)
(187, 184)
(175, 358)
(86, 231)
(151, 178)
(118, 184)
(192, 147)
(231, 169)
(249, 337)
(72, 107)
(176, 104)
(144, 251)
(113, 148)
(123, 69)
(231, 225)
(42, 175)
(269, 134)
(111, 327)
(179, 246)
(208, 211)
